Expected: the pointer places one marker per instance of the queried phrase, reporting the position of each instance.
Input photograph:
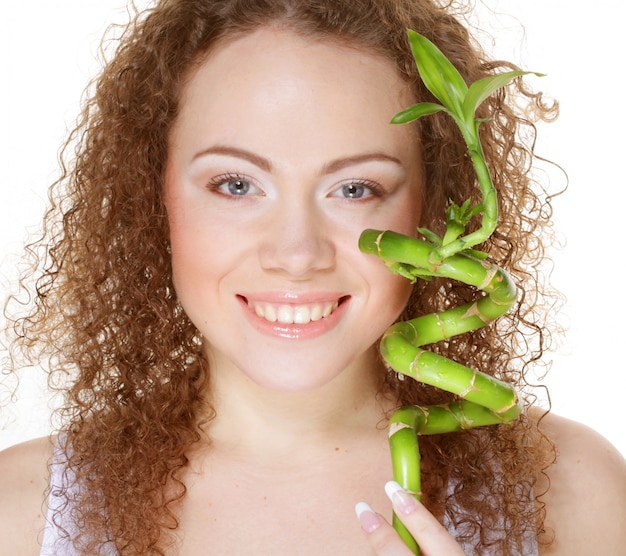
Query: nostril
(298, 250)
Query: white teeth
(316, 313)
(301, 315)
(290, 314)
(285, 314)
(270, 314)
(328, 309)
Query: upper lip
(293, 298)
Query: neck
(263, 423)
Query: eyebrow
(255, 159)
(342, 163)
(266, 165)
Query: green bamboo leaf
(416, 111)
(438, 74)
(430, 236)
(482, 89)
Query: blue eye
(237, 187)
(353, 191)
(357, 190)
(233, 186)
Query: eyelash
(375, 189)
(218, 181)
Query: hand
(431, 536)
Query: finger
(430, 535)
(381, 536)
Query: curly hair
(106, 315)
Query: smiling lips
(293, 314)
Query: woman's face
(282, 154)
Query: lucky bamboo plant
(484, 400)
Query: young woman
(204, 289)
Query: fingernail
(368, 518)
(402, 501)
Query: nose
(297, 242)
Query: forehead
(275, 79)
(274, 40)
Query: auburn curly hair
(106, 315)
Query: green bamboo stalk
(484, 400)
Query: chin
(289, 382)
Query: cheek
(390, 292)
(183, 240)
(399, 292)
(403, 216)
(409, 219)
(192, 251)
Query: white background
(48, 52)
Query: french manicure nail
(400, 498)
(368, 518)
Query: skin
(295, 496)
(292, 239)
(589, 520)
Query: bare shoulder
(586, 500)
(23, 483)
